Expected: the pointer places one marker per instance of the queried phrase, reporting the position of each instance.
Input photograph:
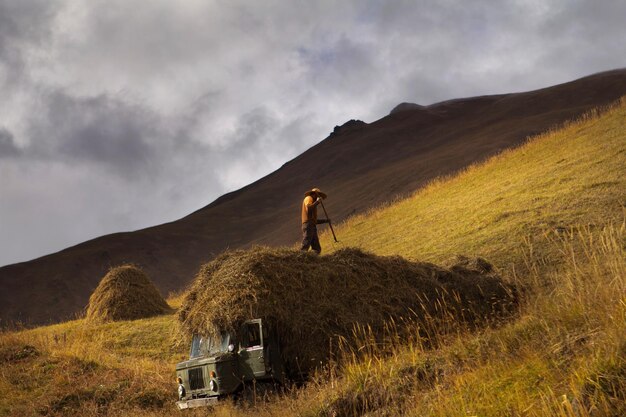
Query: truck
(223, 365)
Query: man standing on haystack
(309, 220)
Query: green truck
(224, 365)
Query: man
(309, 220)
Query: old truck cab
(221, 365)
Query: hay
(312, 299)
(464, 264)
(125, 293)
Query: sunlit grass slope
(572, 176)
(565, 355)
(550, 215)
(87, 369)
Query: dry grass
(84, 368)
(125, 293)
(566, 356)
(315, 301)
(556, 181)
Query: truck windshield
(205, 345)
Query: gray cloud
(7, 145)
(24, 21)
(23, 24)
(139, 112)
(98, 129)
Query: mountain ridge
(359, 167)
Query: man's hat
(315, 190)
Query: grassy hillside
(550, 214)
(86, 369)
(569, 177)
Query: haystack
(125, 293)
(313, 299)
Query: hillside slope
(566, 350)
(574, 176)
(552, 215)
(360, 166)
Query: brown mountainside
(359, 165)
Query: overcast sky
(121, 114)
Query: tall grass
(564, 356)
(83, 368)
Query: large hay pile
(312, 299)
(125, 293)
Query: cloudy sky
(121, 114)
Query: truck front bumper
(198, 402)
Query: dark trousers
(309, 237)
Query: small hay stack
(314, 299)
(125, 293)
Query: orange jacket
(309, 210)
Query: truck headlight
(212, 385)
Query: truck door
(251, 350)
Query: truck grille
(196, 379)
